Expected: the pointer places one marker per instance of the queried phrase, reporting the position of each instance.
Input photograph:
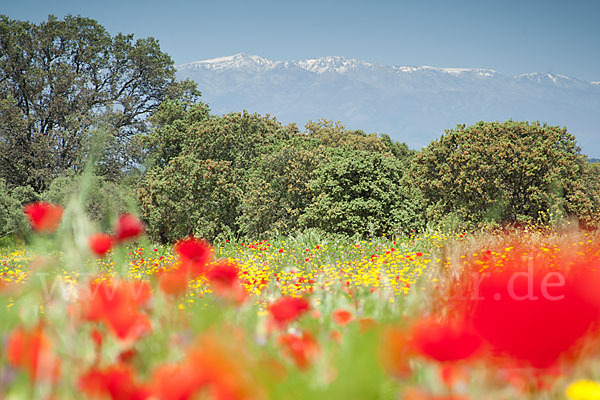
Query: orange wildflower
(342, 317)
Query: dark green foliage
(332, 134)
(237, 137)
(511, 172)
(12, 219)
(277, 190)
(172, 122)
(203, 171)
(103, 201)
(265, 171)
(191, 197)
(63, 79)
(362, 192)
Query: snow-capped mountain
(413, 104)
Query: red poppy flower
(342, 317)
(194, 255)
(223, 277)
(32, 351)
(301, 348)
(100, 243)
(288, 309)
(223, 274)
(44, 217)
(176, 381)
(537, 308)
(443, 341)
(128, 227)
(116, 304)
(117, 382)
(97, 337)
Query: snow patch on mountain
(237, 61)
(333, 64)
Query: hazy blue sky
(512, 37)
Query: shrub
(277, 189)
(362, 192)
(190, 197)
(12, 219)
(510, 172)
(103, 199)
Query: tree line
(71, 94)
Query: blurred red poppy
(115, 382)
(287, 309)
(32, 351)
(223, 274)
(223, 278)
(116, 304)
(44, 217)
(128, 227)
(301, 348)
(194, 255)
(173, 281)
(101, 243)
(214, 367)
(444, 341)
(537, 307)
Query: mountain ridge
(330, 64)
(413, 104)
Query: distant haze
(411, 104)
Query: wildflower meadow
(474, 315)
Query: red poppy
(101, 243)
(288, 309)
(301, 348)
(224, 279)
(44, 217)
(97, 337)
(32, 351)
(116, 304)
(128, 227)
(223, 274)
(443, 341)
(176, 381)
(117, 382)
(194, 255)
(537, 307)
(342, 317)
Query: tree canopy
(62, 79)
(509, 172)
